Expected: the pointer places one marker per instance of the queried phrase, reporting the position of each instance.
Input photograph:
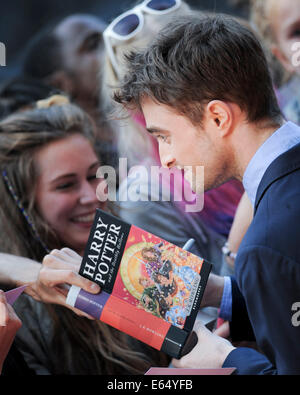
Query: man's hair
(42, 56)
(21, 92)
(195, 60)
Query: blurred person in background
(20, 92)
(278, 23)
(278, 26)
(67, 56)
(11, 361)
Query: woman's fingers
(53, 277)
(61, 256)
(73, 254)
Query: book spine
(198, 295)
(117, 313)
(178, 342)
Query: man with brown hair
(207, 96)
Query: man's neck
(247, 140)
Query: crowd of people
(162, 85)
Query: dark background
(21, 19)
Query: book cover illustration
(158, 277)
(151, 289)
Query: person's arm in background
(242, 220)
(219, 289)
(9, 325)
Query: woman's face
(152, 24)
(66, 189)
(285, 17)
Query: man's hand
(223, 330)
(209, 353)
(9, 325)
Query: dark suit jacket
(267, 277)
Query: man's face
(82, 46)
(185, 146)
(150, 255)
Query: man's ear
(220, 115)
(62, 81)
(285, 63)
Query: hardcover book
(189, 372)
(150, 288)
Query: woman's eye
(92, 178)
(295, 33)
(65, 186)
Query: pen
(188, 245)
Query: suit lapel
(282, 166)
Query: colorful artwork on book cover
(158, 277)
(150, 288)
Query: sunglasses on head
(131, 22)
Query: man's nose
(168, 161)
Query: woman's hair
(80, 346)
(21, 135)
(43, 55)
(133, 141)
(261, 22)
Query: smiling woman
(66, 188)
(48, 200)
(50, 182)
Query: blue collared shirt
(280, 142)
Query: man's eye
(161, 138)
(92, 43)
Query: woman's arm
(16, 271)
(47, 282)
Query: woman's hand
(47, 282)
(58, 271)
(9, 325)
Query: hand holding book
(151, 289)
(211, 350)
(59, 271)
